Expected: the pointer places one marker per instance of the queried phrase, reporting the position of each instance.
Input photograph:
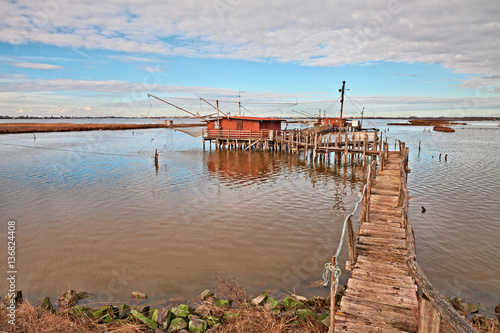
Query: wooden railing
(239, 134)
(443, 308)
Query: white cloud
(459, 34)
(34, 65)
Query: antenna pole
(217, 103)
(342, 99)
(239, 103)
(217, 108)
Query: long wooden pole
(175, 106)
(332, 300)
(342, 99)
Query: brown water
(93, 213)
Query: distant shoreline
(469, 118)
(13, 128)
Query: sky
(276, 57)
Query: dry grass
(248, 318)
(29, 320)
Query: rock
(142, 309)
(177, 324)
(273, 305)
(259, 300)
(181, 311)
(463, 307)
(497, 311)
(46, 305)
(211, 321)
(197, 325)
(143, 319)
(68, 299)
(300, 298)
(153, 314)
(193, 317)
(317, 301)
(326, 321)
(82, 310)
(202, 311)
(157, 330)
(163, 318)
(287, 315)
(123, 311)
(485, 323)
(224, 303)
(291, 303)
(83, 294)
(322, 316)
(138, 294)
(304, 314)
(104, 314)
(206, 295)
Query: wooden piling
(332, 299)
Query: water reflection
(243, 168)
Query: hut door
(239, 124)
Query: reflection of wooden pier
(318, 141)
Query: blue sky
(399, 57)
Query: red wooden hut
(238, 127)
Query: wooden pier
(382, 293)
(318, 141)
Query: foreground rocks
(206, 316)
(213, 314)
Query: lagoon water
(92, 212)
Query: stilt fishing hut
(239, 131)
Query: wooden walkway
(381, 294)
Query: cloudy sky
(398, 57)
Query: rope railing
(445, 311)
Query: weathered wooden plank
(428, 317)
(375, 287)
(392, 299)
(383, 315)
(398, 243)
(394, 222)
(382, 234)
(400, 281)
(381, 227)
(349, 324)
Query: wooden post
(332, 300)
(156, 160)
(419, 146)
(428, 318)
(365, 142)
(346, 150)
(352, 242)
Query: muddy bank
(428, 122)
(11, 128)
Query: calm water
(93, 213)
